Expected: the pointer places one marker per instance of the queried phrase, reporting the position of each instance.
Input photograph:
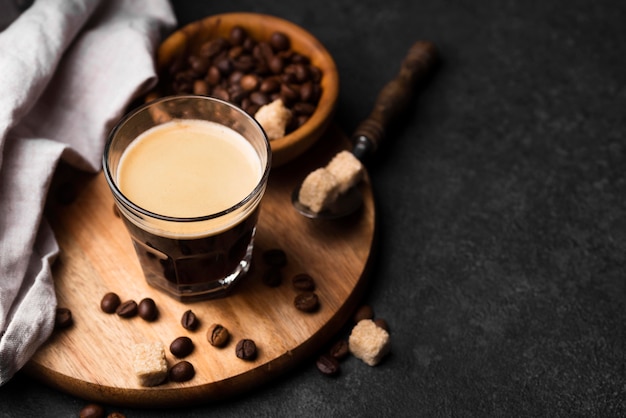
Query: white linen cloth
(68, 70)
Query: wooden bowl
(189, 39)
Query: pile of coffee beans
(250, 73)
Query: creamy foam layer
(188, 168)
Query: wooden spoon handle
(396, 95)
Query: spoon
(390, 103)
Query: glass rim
(121, 197)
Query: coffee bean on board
(181, 347)
(189, 320)
(148, 310)
(246, 349)
(110, 302)
(182, 371)
(127, 309)
(217, 335)
(306, 302)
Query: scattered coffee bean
(303, 282)
(364, 312)
(92, 410)
(275, 257)
(328, 365)
(382, 324)
(127, 309)
(110, 302)
(246, 349)
(182, 371)
(218, 335)
(189, 321)
(306, 302)
(272, 276)
(63, 318)
(147, 309)
(116, 415)
(181, 347)
(340, 349)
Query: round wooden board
(92, 359)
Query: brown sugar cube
(319, 189)
(274, 118)
(347, 169)
(149, 363)
(368, 342)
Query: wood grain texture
(92, 359)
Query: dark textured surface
(502, 202)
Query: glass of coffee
(188, 174)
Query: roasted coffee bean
(63, 318)
(289, 94)
(276, 64)
(181, 347)
(246, 349)
(198, 65)
(381, 323)
(92, 410)
(259, 98)
(275, 257)
(213, 47)
(213, 76)
(279, 41)
(189, 320)
(244, 63)
(201, 87)
(127, 309)
(110, 302)
(147, 309)
(328, 365)
(217, 335)
(307, 93)
(182, 371)
(237, 35)
(306, 302)
(364, 312)
(116, 415)
(221, 68)
(269, 85)
(272, 276)
(303, 282)
(340, 349)
(304, 108)
(249, 82)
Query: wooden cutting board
(92, 358)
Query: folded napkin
(68, 70)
